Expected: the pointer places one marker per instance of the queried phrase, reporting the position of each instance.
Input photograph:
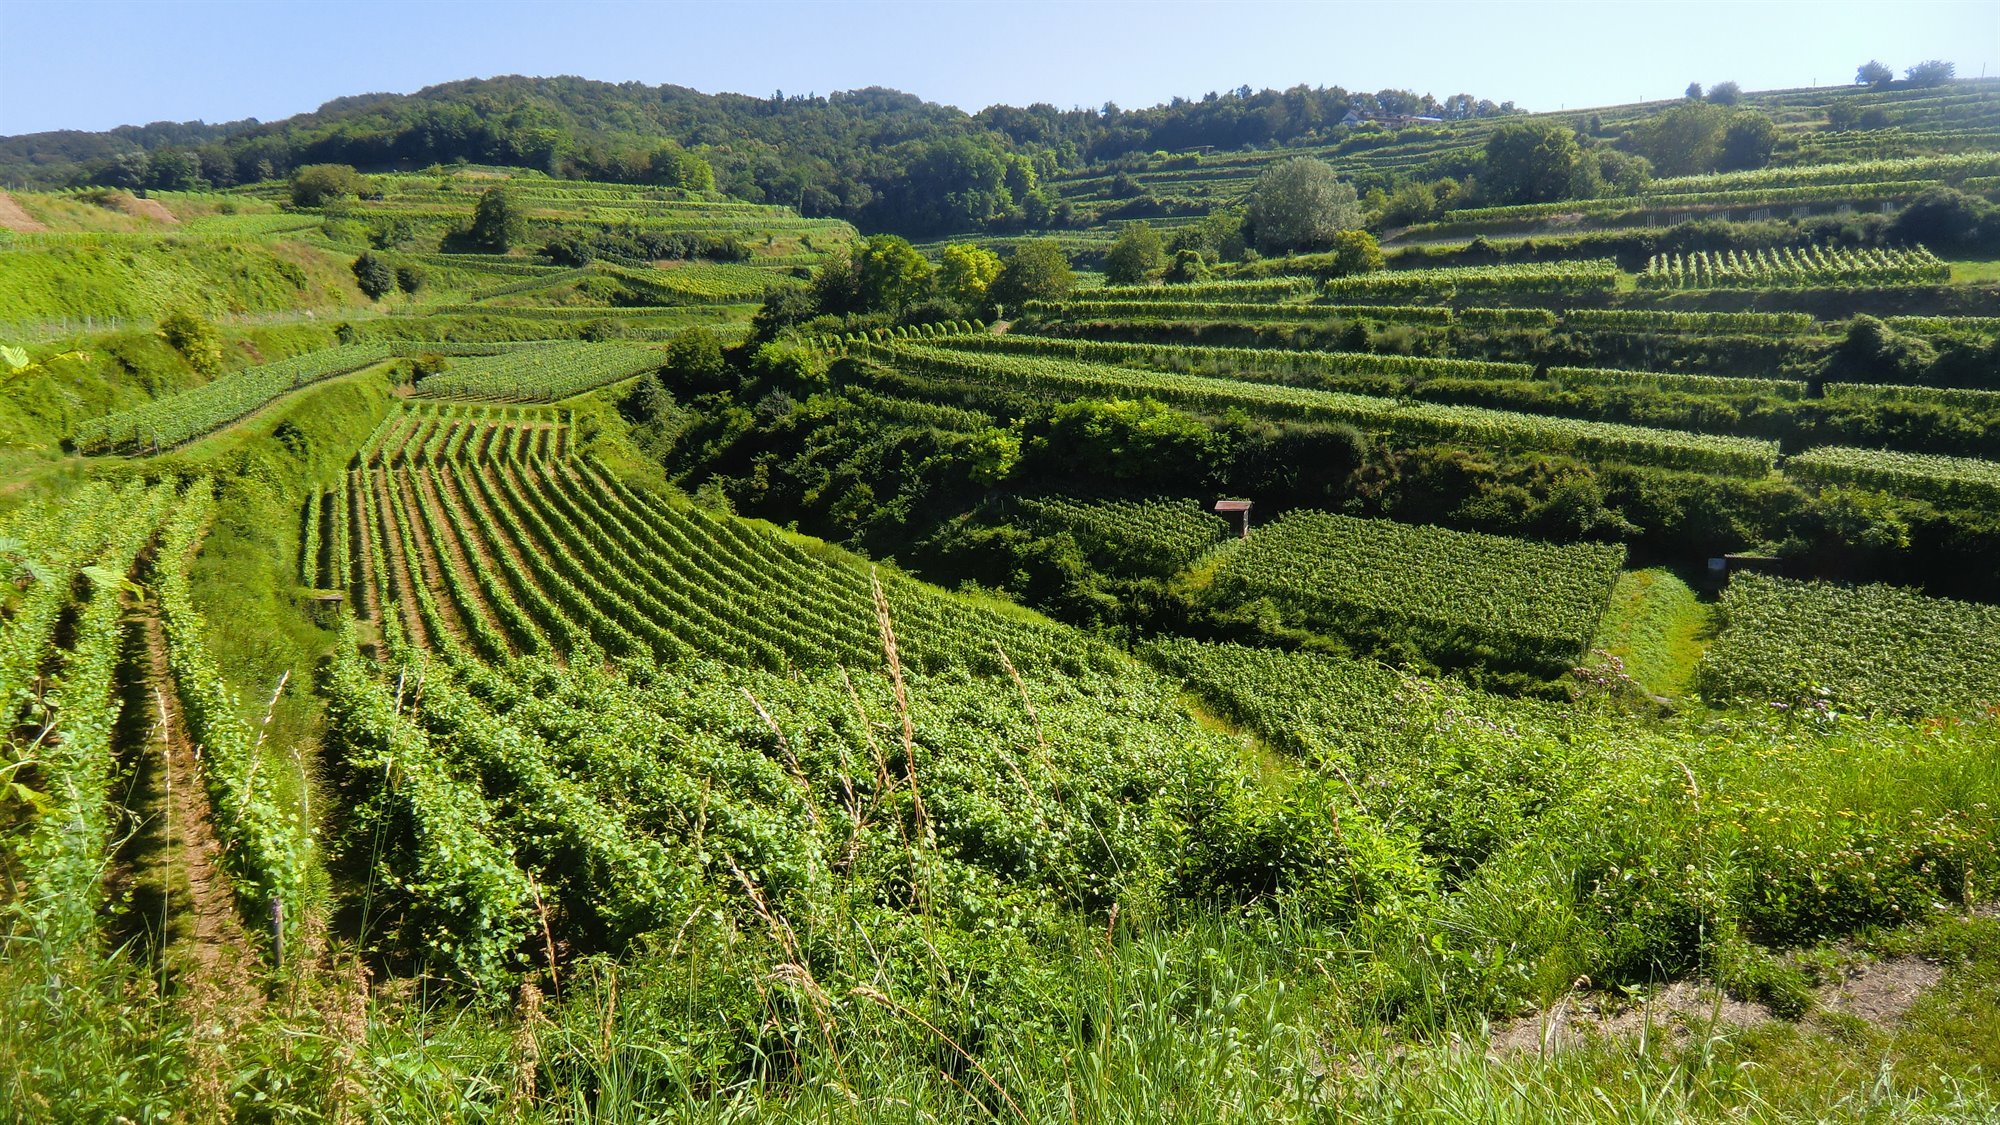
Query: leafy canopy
(1038, 270)
(1530, 163)
(966, 272)
(1300, 204)
(1136, 257)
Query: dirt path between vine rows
(428, 566)
(456, 555)
(14, 219)
(183, 905)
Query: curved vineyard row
(585, 562)
(989, 374)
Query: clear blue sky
(92, 65)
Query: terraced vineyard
(449, 675)
(1786, 268)
(1812, 645)
(1156, 536)
(1451, 595)
(977, 375)
(175, 419)
(541, 374)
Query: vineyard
(1541, 278)
(1762, 269)
(535, 552)
(540, 374)
(1157, 536)
(176, 419)
(1963, 480)
(1455, 596)
(1814, 645)
(981, 375)
(770, 631)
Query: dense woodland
(878, 157)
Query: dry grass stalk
(883, 999)
(902, 697)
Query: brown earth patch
(182, 904)
(14, 219)
(139, 208)
(1879, 992)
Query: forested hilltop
(878, 157)
(545, 619)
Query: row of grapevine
(1286, 366)
(62, 852)
(541, 374)
(1420, 421)
(1963, 481)
(1790, 389)
(1699, 323)
(1454, 596)
(1258, 289)
(1616, 320)
(1623, 205)
(1153, 536)
(1550, 278)
(1787, 268)
(939, 330)
(1868, 648)
(266, 840)
(1958, 398)
(1857, 172)
(1931, 325)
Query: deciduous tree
(966, 272)
(1300, 204)
(892, 273)
(496, 221)
(376, 277)
(1530, 163)
(1931, 72)
(1038, 270)
(1136, 257)
(317, 185)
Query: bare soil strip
(399, 570)
(1877, 991)
(457, 554)
(14, 219)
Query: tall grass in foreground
(1724, 847)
